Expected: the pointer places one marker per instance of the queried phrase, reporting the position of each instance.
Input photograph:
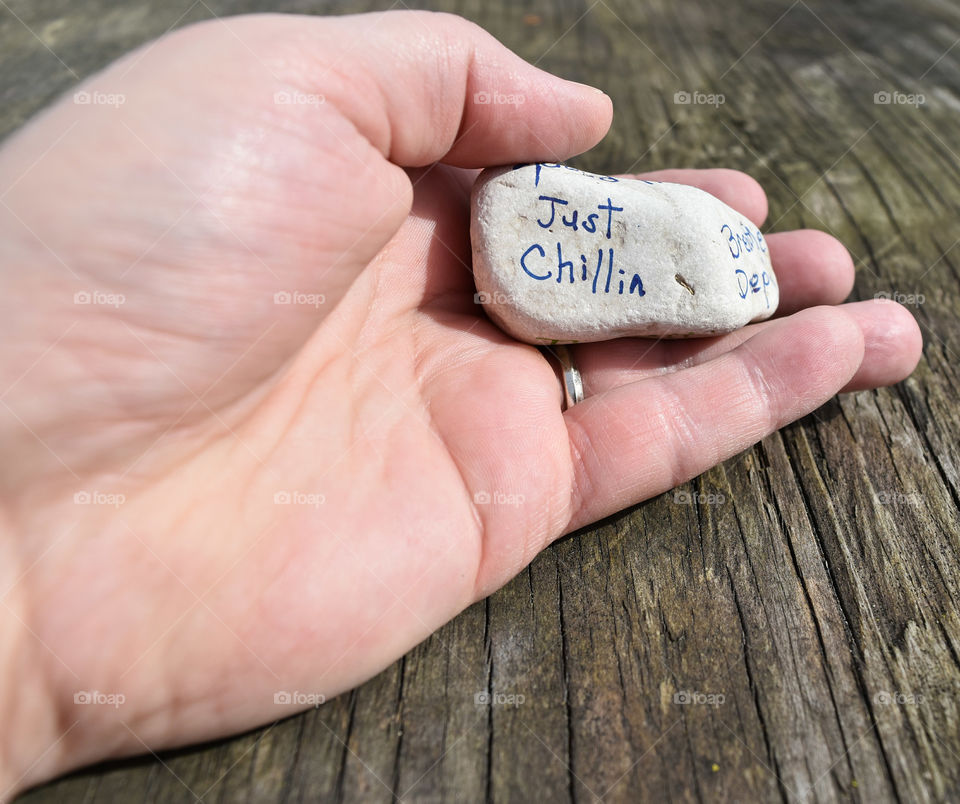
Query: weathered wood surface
(814, 595)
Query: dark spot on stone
(684, 283)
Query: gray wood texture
(783, 628)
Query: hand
(212, 496)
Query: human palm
(260, 437)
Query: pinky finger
(640, 439)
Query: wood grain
(783, 628)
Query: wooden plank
(784, 627)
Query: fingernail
(587, 86)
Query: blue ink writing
(743, 241)
(598, 220)
(753, 283)
(523, 261)
(589, 224)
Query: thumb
(446, 90)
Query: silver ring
(572, 381)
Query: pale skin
(383, 411)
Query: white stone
(636, 258)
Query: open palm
(259, 437)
